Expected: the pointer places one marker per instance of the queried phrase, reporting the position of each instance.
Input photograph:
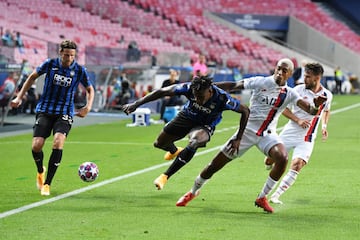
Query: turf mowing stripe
(96, 185)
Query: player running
(270, 96)
(198, 119)
(300, 132)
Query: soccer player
(198, 119)
(300, 132)
(55, 108)
(270, 96)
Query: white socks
(199, 182)
(287, 181)
(268, 186)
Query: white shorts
(301, 149)
(249, 139)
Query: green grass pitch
(124, 204)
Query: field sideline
(136, 205)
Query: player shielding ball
(197, 119)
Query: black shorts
(180, 126)
(45, 123)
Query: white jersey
(267, 102)
(298, 133)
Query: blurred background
(130, 47)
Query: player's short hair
(201, 83)
(67, 44)
(315, 68)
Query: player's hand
(324, 134)
(303, 123)
(16, 102)
(129, 108)
(233, 146)
(82, 112)
(319, 100)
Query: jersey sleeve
(43, 67)
(328, 101)
(230, 103)
(85, 79)
(182, 89)
(253, 82)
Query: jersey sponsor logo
(269, 101)
(62, 80)
(201, 108)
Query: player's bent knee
(196, 143)
(156, 144)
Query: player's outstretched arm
(230, 86)
(157, 94)
(290, 115)
(306, 106)
(16, 102)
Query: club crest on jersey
(62, 80)
(72, 73)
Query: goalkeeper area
(123, 203)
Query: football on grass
(88, 171)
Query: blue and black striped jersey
(211, 112)
(60, 85)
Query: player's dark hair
(201, 82)
(314, 68)
(67, 44)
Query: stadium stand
(197, 37)
(188, 13)
(164, 26)
(52, 21)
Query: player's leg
(175, 130)
(301, 156)
(197, 138)
(61, 130)
(220, 160)
(275, 149)
(38, 156)
(41, 130)
(268, 163)
(165, 141)
(288, 180)
(215, 165)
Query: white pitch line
(119, 178)
(93, 186)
